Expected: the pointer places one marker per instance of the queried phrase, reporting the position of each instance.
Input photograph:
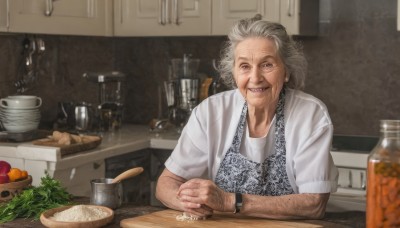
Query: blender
(111, 99)
(185, 76)
(182, 90)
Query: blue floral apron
(241, 175)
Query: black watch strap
(238, 202)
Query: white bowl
(20, 128)
(21, 102)
(19, 111)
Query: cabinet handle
(290, 8)
(176, 10)
(161, 19)
(120, 12)
(49, 8)
(8, 14)
(167, 12)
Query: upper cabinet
(70, 17)
(3, 15)
(152, 17)
(227, 12)
(162, 17)
(300, 17)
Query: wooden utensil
(128, 174)
(167, 218)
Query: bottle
(383, 183)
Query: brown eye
(267, 65)
(244, 67)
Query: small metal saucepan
(108, 192)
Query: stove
(350, 155)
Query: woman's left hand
(203, 192)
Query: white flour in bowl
(79, 213)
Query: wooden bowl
(9, 190)
(48, 222)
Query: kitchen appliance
(185, 68)
(350, 155)
(75, 116)
(182, 90)
(84, 116)
(188, 93)
(110, 97)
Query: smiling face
(259, 72)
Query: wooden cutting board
(167, 218)
(88, 142)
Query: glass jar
(383, 183)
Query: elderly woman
(261, 149)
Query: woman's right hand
(203, 196)
(167, 192)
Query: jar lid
(390, 125)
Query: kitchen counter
(76, 170)
(334, 220)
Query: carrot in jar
(385, 195)
(371, 183)
(394, 185)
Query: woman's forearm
(167, 189)
(295, 206)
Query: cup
(105, 193)
(21, 102)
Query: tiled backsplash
(353, 66)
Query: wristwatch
(238, 202)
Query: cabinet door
(159, 17)
(3, 16)
(71, 17)
(227, 12)
(300, 17)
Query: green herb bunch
(35, 200)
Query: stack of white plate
(19, 118)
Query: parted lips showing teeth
(257, 89)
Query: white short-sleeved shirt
(211, 127)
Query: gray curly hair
(290, 51)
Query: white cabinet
(300, 17)
(152, 17)
(162, 17)
(68, 17)
(3, 15)
(227, 12)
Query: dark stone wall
(353, 66)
